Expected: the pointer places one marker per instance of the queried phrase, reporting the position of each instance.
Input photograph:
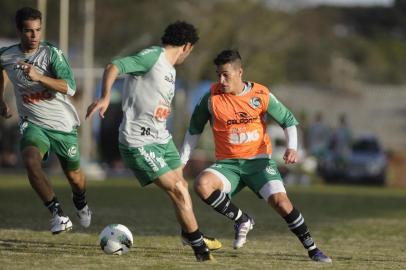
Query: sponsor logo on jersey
(244, 137)
(162, 112)
(255, 102)
(72, 151)
(242, 118)
(170, 78)
(260, 92)
(270, 170)
(32, 98)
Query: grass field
(359, 227)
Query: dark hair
(179, 33)
(227, 56)
(26, 13)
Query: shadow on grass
(148, 211)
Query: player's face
(30, 34)
(187, 49)
(230, 78)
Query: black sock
(54, 206)
(79, 199)
(298, 226)
(222, 204)
(196, 241)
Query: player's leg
(34, 145)
(177, 190)
(67, 150)
(211, 242)
(32, 159)
(273, 191)
(77, 181)
(215, 186)
(156, 163)
(296, 223)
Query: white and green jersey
(36, 103)
(148, 92)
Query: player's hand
(100, 105)
(30, 71)
(4, 110)
(290, 156)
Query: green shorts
(150, 161)
(63, 144)
(260, 175)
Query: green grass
(359, 227)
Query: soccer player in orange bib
(237, 111)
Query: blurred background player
(42, 80)
(341, 142)
(237, 110)
(318, 136)
(145, 143)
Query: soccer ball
(116, 239)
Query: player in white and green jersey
(42, 81)
(144, 141)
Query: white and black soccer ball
(116, 239)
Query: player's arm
(62, 80)
(138, 64)
(58, 85)
(4, 109)
(110, 74)
(200, 116)
(288, 122)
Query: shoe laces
(242, 229)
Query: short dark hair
(228, 56)
(26, 13)
(180, 33)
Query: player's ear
(187, 47)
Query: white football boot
(241, 230)
(85, 216)
(60, 224)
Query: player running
(145, 143)
(237, 111)
(43, 80)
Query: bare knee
(281, 203)
(77, 179)
(31, 157)
(204, 186)
(180, 194)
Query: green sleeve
(61, 68)
(139, 63)
(200, 116)
(280, 113)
